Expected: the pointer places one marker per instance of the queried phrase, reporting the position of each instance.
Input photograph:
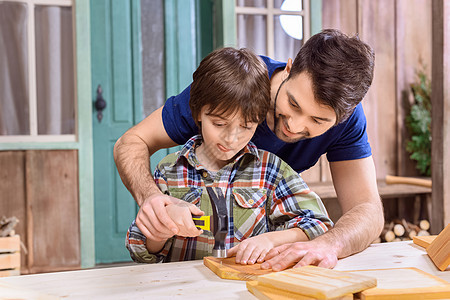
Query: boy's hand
(181, 213)
(252, 250)
(154, 221)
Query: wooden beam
(440, 126)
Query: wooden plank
(7, 273)
(404, 283)
(10, 244)
(317, 282)
(268, 293)
(439, 249)
(52, 191)
(413, 48)
(376, 27)
(424, 241)
(9, 261)
(12, 193)
(227, 268)
(440, 127)
(326, 190)
(340, 14)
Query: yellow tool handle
(408, 180)
(202, 222)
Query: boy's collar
(188, 151)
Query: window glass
(14, 91)
(54, 70)
(288, 36)
(251, 3)
(288, 5)
(251, 33)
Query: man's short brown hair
(341, 69)
(231, 80)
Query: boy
(268, 202)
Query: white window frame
(270, 12)
(33, 136)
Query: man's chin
(289, 139)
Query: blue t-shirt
(346, 141)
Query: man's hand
(154, 221)
(252, 250)
(300, 254)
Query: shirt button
(205, 174)
(251, 201)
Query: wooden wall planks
(440, 125)
(413, 46)
(12, 191)
(376, 26)
(400, 33)
(40, 187)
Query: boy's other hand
(153, 219)
(315, 252)
(181, 213)
(252, 250)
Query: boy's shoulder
(168, 160)
(271, 160)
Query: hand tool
(220, 221)
(202, 222)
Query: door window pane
(251, 3)
(252, 33)
(54, 70)
(288, 5)
(288, 36)
(14, 91)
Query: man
(315, 110)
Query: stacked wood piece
(9, 247)
(401, 230)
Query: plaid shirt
(262, 192)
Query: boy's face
(223, 136)
(298, 115)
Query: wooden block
(9, 244)
(11, 272)
(439, 249)
(317, 282)
(424, 241)
(227, 268)
(9, 261)
(404, 283)
(269, 293)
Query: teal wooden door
(115, 61)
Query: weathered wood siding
(40, 188)
(400, 33)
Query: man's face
(298, 115)
(223, 136)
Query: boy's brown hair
(231, 80)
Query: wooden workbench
(192, 280)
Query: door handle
(100, 103)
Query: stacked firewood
(7, 226)
(402, 230)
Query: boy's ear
(287, 69)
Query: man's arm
(132, 154)
(361, 223)
(356, 188)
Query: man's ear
(288, 67)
